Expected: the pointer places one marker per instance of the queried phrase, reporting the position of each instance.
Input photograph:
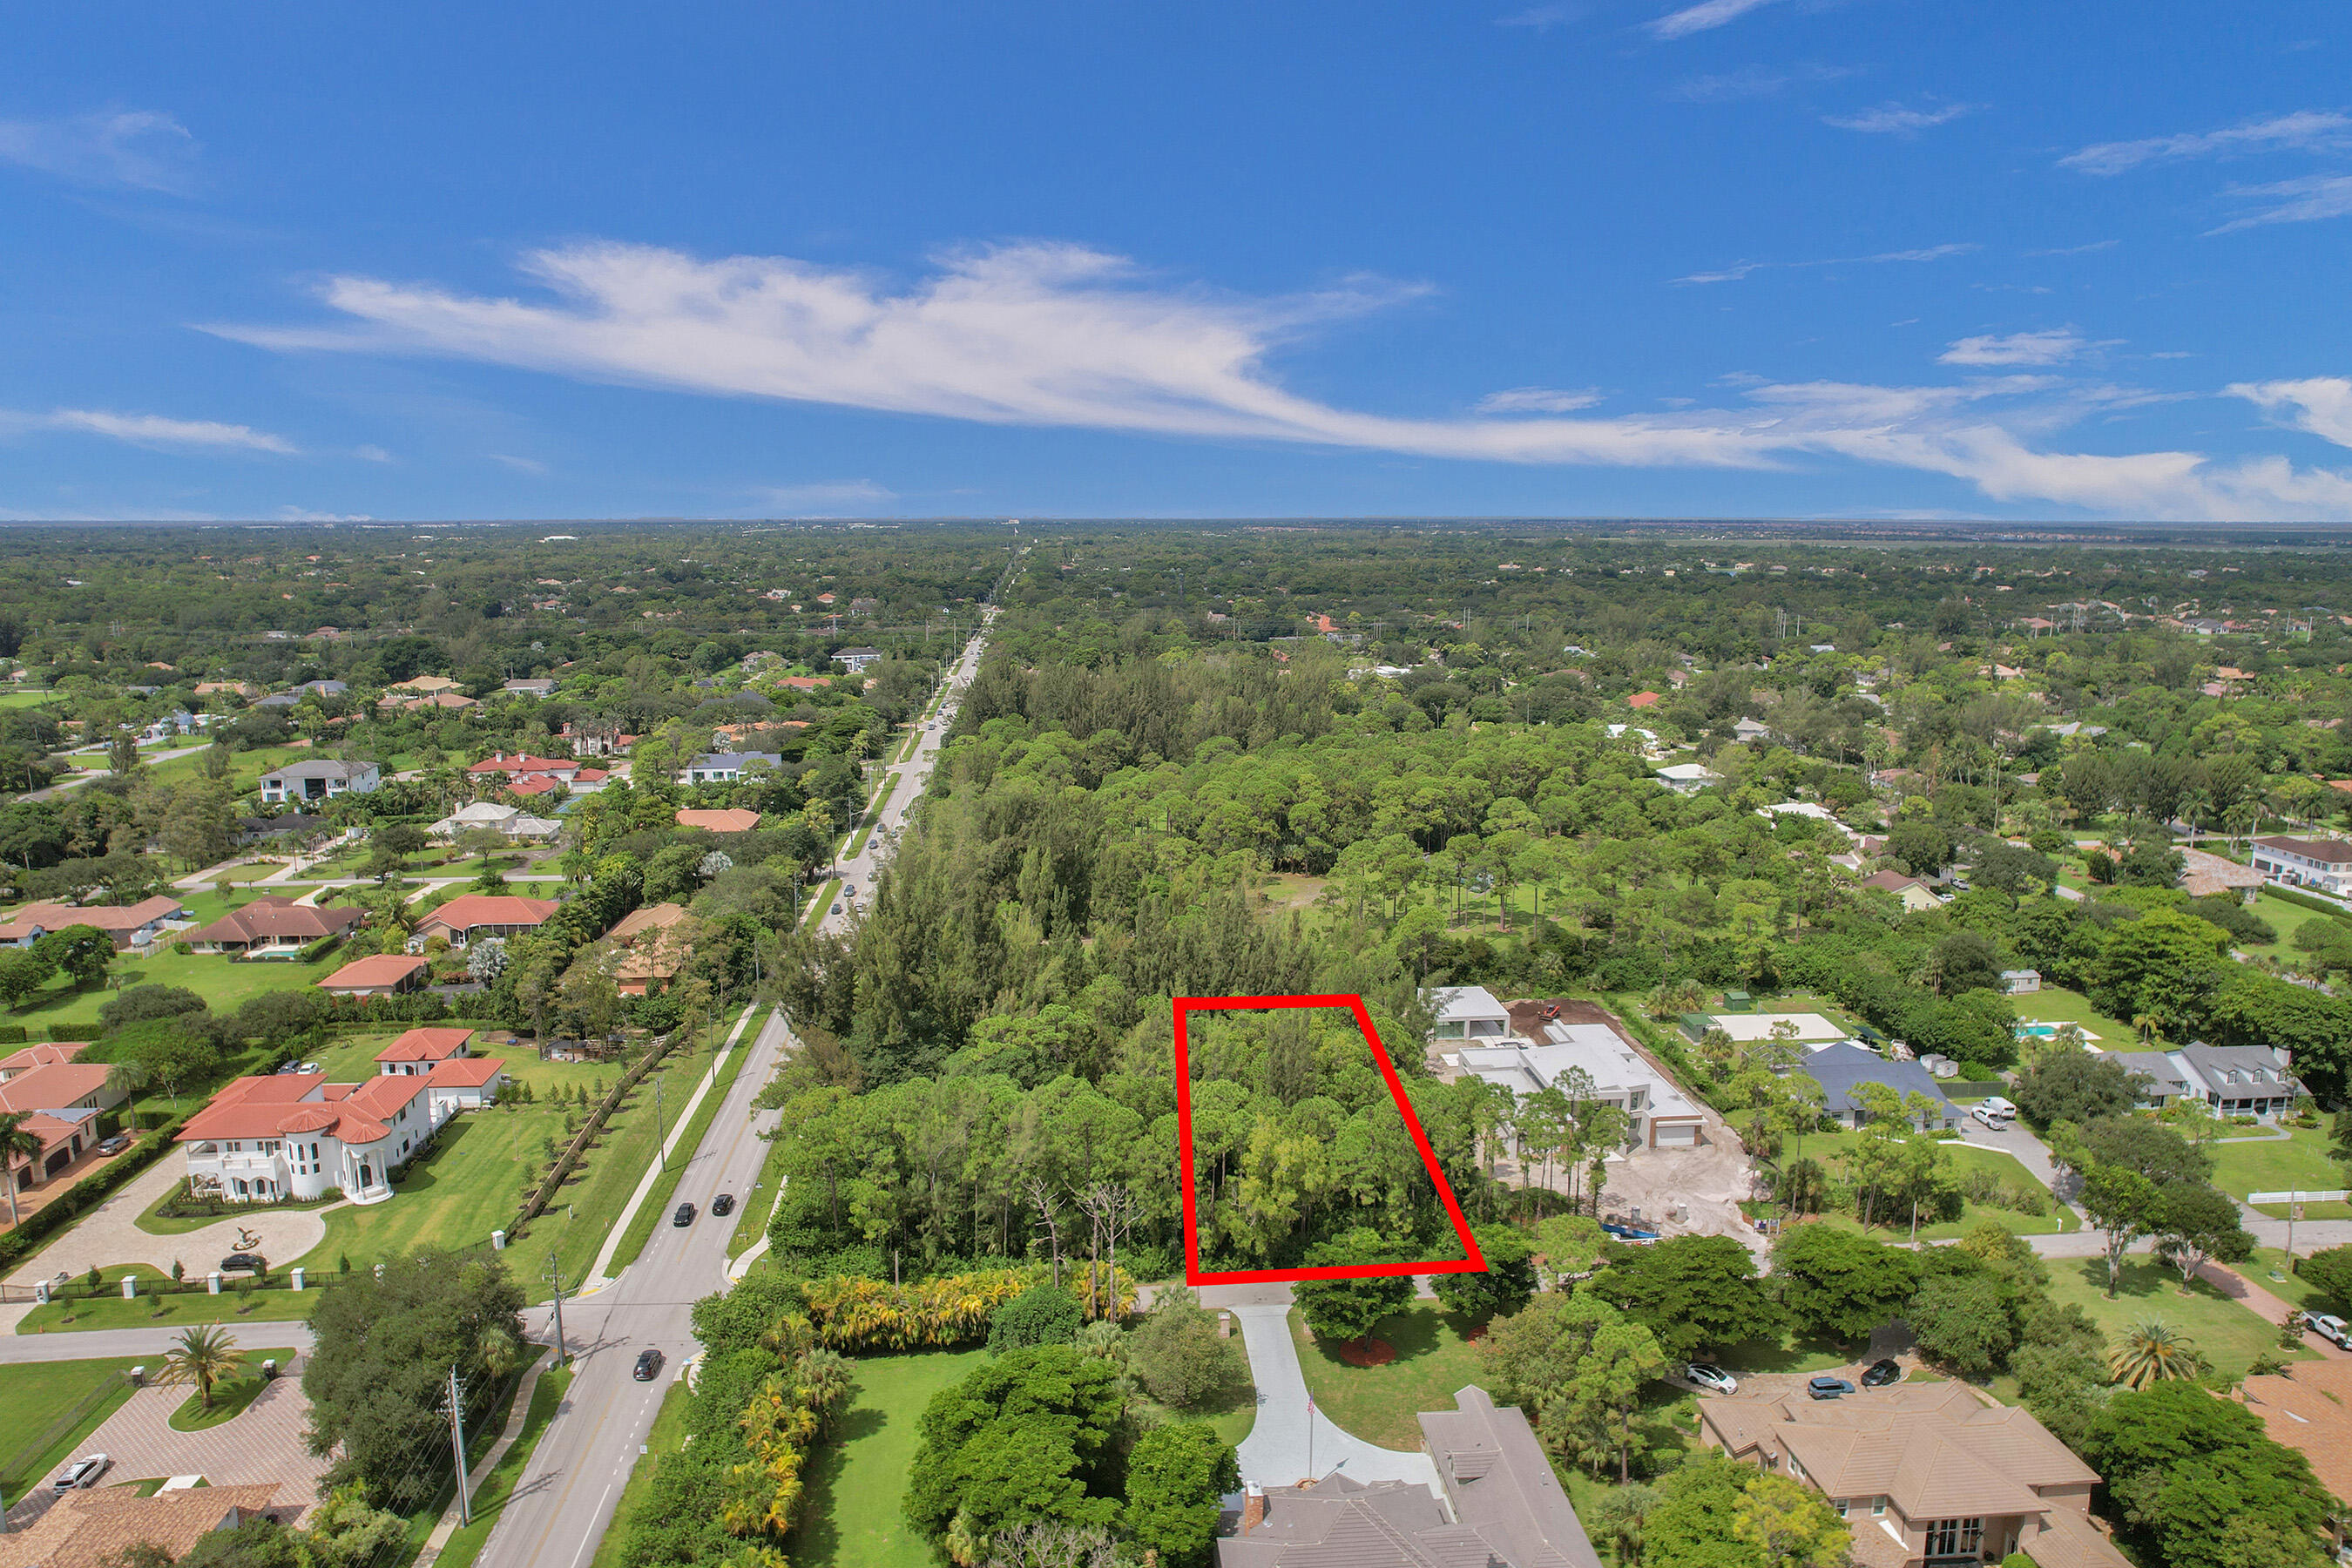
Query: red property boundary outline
(1476, 1263)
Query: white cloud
(850, 494)
(2096, 244)
(133, 147)
(1753, 82)
(2305, 200)
(152, 430)
(1699, 19)
(304, 514)
(2056, 345)
(1535, 400)
(372, 453)
(1740, 269)
(1893, 119)
(520, 465)
(2306, 129)
(2321, 406)
(1061, 336)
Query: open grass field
(2286, 919)
(34, 1397)
(1378, 1403)
(2300, 1160)
(2229, 1335)
(490, 1497)
(851, 1518)
(2290, 1287)
(62, 1012)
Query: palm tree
(2152, 1353)
(16, 1141)
(202, 1356)
(125, 1078)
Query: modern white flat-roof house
(1617, 1075)
(512, 821)
(318, 778)
(856, 659)
(2322, 863)
(1468, 1012)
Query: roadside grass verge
(463, 1546)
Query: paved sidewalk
(1293, 1441)
(452, 1518)
(656, 1169)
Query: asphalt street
(565, 1500)
(906, 788)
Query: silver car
(1712, 1378)
(82, 1472)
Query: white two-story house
(295, 1135)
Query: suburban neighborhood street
(906, 788)
(565, 1499)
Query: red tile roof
(53, 1086)
(734, 820)
(275, 915)
(104, 917)
(383, 969)
(464, 1072)
(42, 1055)
(425, 1045)
(534, 783)
(470, 909)
(1643, 700)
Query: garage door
(1674, 1134)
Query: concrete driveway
(1293, 1441)
(108, 1236)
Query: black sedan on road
(649, 1363)
(1881, 1374)
(723, 1204)
(236, 1261)
(684, 1217)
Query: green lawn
(465, 1544)
(62, 1012)
(851, 1517)
(1835, 1150)
(2056, 1004)
(2286, 919)
(178, 1310)
(1378, 1403)
(815, 917)
(2299, 1161)
(655, 1209)
(34, 1395)
(2293, 1288)
(2231, 1336)
(471, 1183)
(229, 1399)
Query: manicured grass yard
(2229, 1336)
(1835, 1150)
(852, 1518)
(60, 1012)
(2286, 919)
(471, 1183)
(2294, 1289)
(1378, 1403)
(33, 1396)
(2056, 1004)
(177, 1310)
(2300, 1160)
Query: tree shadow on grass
(817, 1537)
(1795, 1354)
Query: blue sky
(1685, 258)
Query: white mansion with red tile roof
(295, 1135)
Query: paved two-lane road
(906, 788)
(564, 1502)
